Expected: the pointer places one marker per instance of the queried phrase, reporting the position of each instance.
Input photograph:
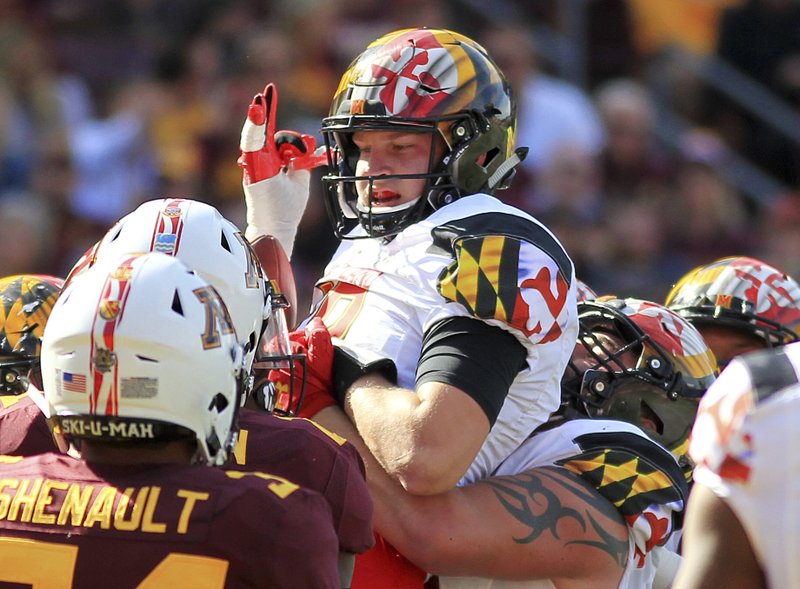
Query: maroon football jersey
(154, 526)
(312, 457)
(23, 428)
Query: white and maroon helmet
(141, 348)
(208, 243)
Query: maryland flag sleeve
(640, 478)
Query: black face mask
(17, 375)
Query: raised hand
(265, 151)
(275, 171)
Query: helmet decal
(674, 335)
(168, 228)
(104, 397)
(418, 73)
(418, 64)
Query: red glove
(276, 168)
(317, 370)
(265, 152)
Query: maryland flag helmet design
(423, 81)
(25, 304)
(742, 293)
(639, 362)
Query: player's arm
(428, 437)
(716, 551)
(544, 523)
(541, 524)
(278, 269)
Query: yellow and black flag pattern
(639, 477)
(484, 276)
(25, 304)
(508, 268)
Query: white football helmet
(142, 349)
(197, 234)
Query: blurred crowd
(106, 104)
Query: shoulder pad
(501, 225)
(630, 470)
(508, 268)
(770, 371)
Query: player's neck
(175, 452)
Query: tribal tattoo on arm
(533, 499)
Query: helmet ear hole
(218, 402)
(224, 242)
(176, 303)
(649, 419)
(487, 158)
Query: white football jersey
(641, 478)
(745, 445)
(476, 257)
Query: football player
(143, 375)
(635, 362)
(25, 304)
(197, 234)
(642, 363)
(742, 523)
(739, 304)
(466, 303)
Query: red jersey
(172, 525)
(383, 567)
(314, 458)
(23, 427)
